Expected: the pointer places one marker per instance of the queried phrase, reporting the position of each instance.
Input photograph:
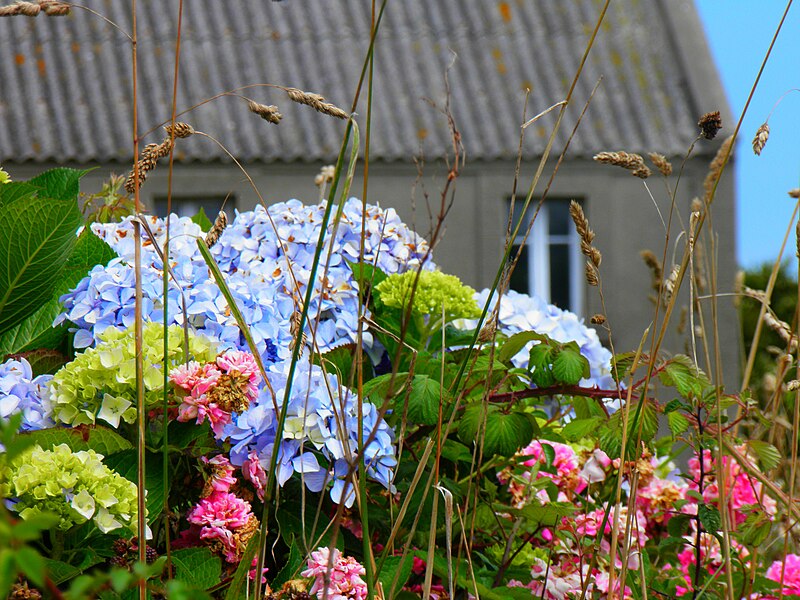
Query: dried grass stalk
(762, 135)
(715, 168)
(316, 102)
(709, 124)
(585, 233)
(267, 112)
(486, 334)
(661, 163)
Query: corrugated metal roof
(65, 91)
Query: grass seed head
(661, 163)
(267, 112)
(762, 135)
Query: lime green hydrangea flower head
(75, 486)
(4, 177)
(101, 382)
(434, 291)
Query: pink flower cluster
(789, 568)
(342, 580)
(215, 390)
(741, 490)
(221, 518)
(567, 578)
(566, 471)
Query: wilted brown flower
(709, 124)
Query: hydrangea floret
(75, 486)
(101, 382)
(436, 293)
(320, 435)
(21, 392)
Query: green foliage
(424, 400)
(197, 567)
(504, 434)
(37, 238)
(102, 440)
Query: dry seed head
(696, 205)
(780, 327)
(325, 175)
(28, 9)
(627, 160)
(486, 334)
(657, 272)
(591, 274)
(715, 168)
(597, 319)
(182, 130)
(709, 124)
(661, 163)
(267, 112)
(762, 135)
(793, 385)
(54, 8)
(220, 223)
(642, 172)
(794, 193)
(669, 284)
(316, 102)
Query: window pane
(518, 204)
(560, 276)
(559, 222)
(189, 207)
(519, 278)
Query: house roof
(65, 91)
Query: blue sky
(738, 33)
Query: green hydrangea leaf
(197, 566)
(541, 365)
(36, 239)
(60, 183)
(85, 437)
(201, 219)
(125, 463)
(291, 566)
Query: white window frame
(539, 242)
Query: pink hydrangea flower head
(342, 581)
(226, 522)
